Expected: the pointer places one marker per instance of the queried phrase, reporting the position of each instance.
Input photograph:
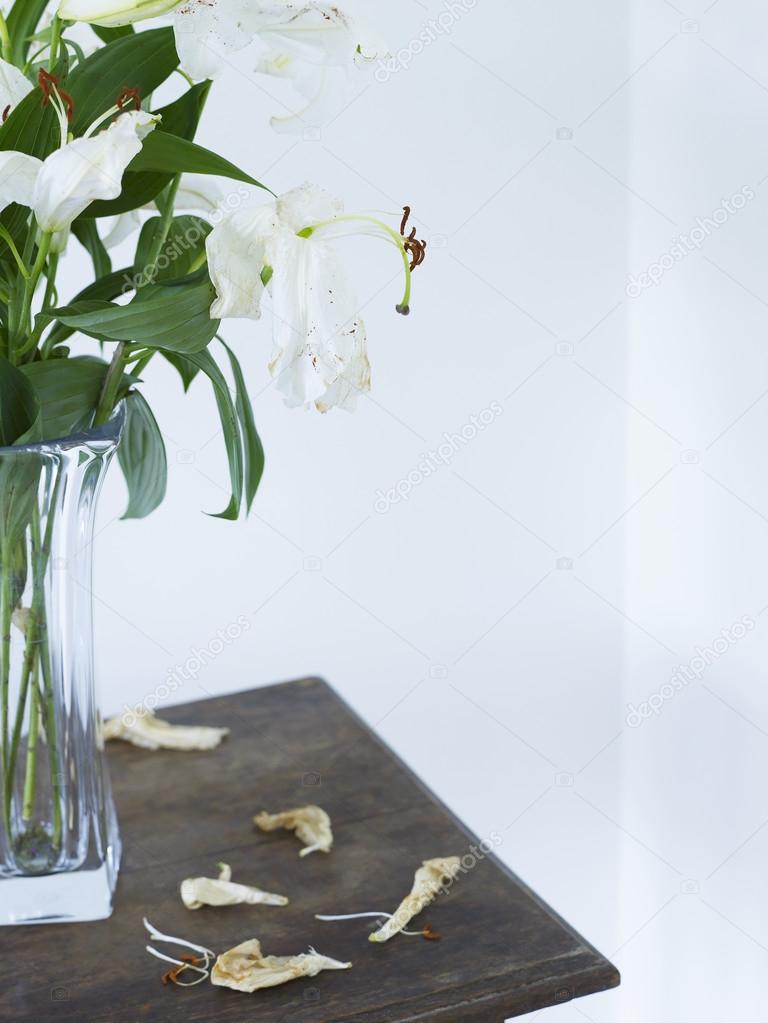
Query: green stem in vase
(30, 776)
(5, 654)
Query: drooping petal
(116, 229)
(236, 251)
(432, 877)
(199, 193)
(143, 729)
(14, 86)
(320, 352)
(87, 169)
(18, 176)
(197, 892)
(245, 968)
(112, 13)
(324, 53)
(207, 31)
(311, 824)
(320, 34)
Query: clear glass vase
(59, 843)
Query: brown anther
(126, 95)
(415, 247)
(172, 976)
(50, 86)
(6, 112)
(429, 935)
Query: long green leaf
(142, 458)
(86, 233)
(19, 407)
(119, 282)
(142, 60)
(204, 362)
(164, 152)
(176, 317)
(67, 391)
(22, 22)
(182, 252)
(252, 446)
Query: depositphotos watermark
(682, 676)
(431, 30)
(189, 239)
(688, 242)
(199, 659)
(433, 461)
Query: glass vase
(59, 842)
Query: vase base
(73, 897)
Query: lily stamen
(131, 94)
(60, 100)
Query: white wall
(549, 149)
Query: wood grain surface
(503, 952)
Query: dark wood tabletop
(503, 952)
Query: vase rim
(108, 432)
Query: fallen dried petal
(142, 728)
(244, 968)
(207, 891)
(311, 824)
(430, 879)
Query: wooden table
(503, 952)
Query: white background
(549, 148)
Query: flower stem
(30, 776)
(53, 55)
(5, 40)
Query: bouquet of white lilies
(85, 152)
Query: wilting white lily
(14, 86)
(60, 187)
(319, 47)
(320, 351)
(325, 54)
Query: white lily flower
(320, 347)
(316, 45)
(60, 187)
(325, 53)
(113, 13)
(14, 86)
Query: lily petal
(18, 176)
(113, 13)
(14, 86)
(236, 256)
(320, 351)
(87, 169)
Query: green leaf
(119, 282)
(19, 407)
(108, 35)
(141, 455)
(164, 152)
(252, 446)
(178, 118)
(86, 233)
(185, 369)
(182, 252)
(22, 22)
(204, 362)
(30, 127)
(142, 60)
(67, 391)
(176, 317)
